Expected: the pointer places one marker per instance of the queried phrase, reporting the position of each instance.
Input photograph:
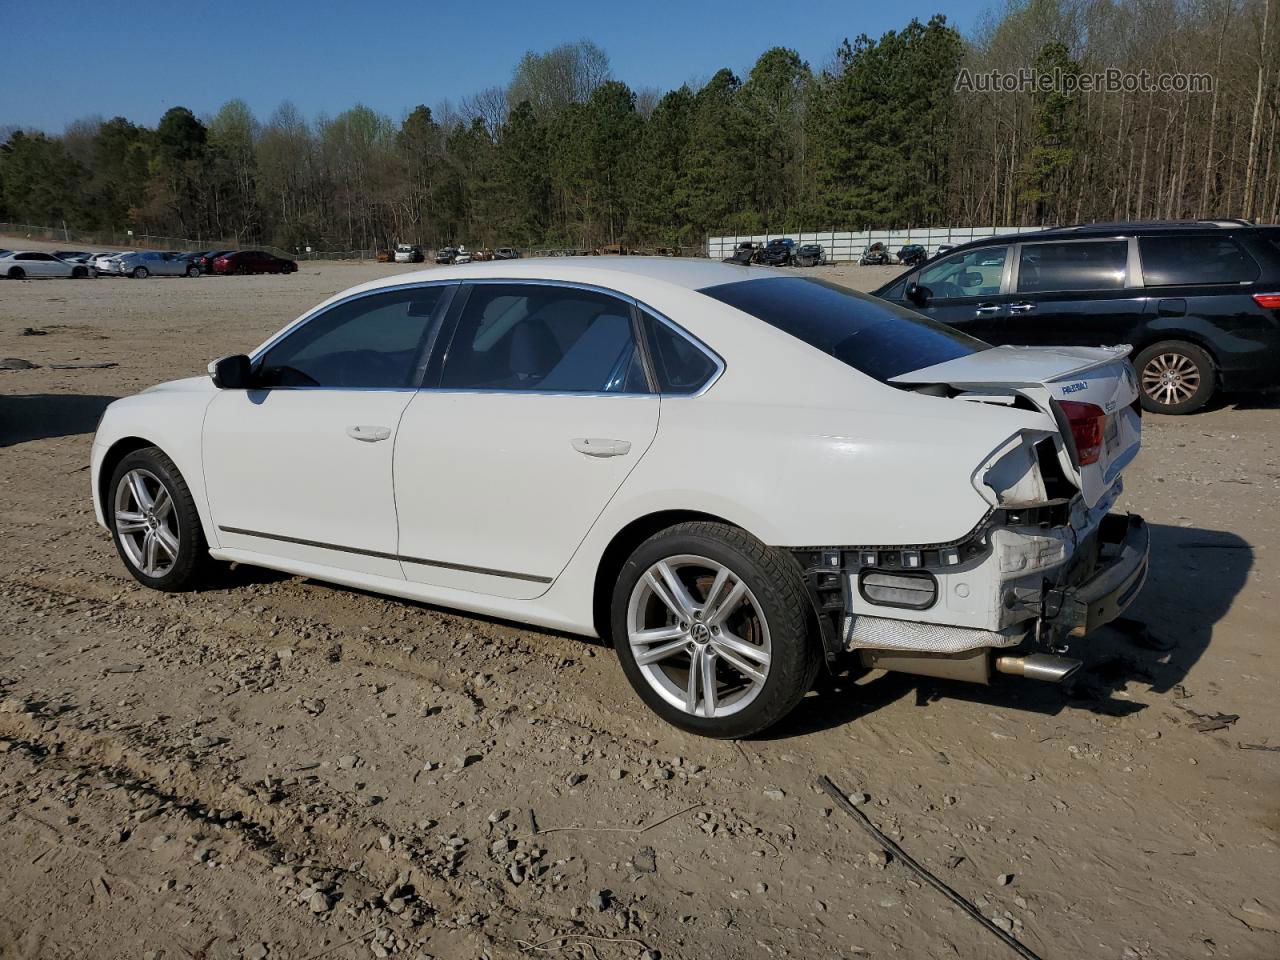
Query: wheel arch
(1173, 335)
(634, 533)
(118, 450)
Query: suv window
(1173, 260)
(373, 342)
(1079, 265)
(546, 338)
(680, 365)
(973, 273)
(874, 336)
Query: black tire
(775, 584)
(140, 273)
(17, 273)
(193, 271)
(1175, 377)
(79, 273)
(191, 566)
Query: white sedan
(24, 264)
(736, 475)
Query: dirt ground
(284, 769)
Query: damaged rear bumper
(1021, 580)
(1124, 555)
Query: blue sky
(71, 59)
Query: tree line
(566, 155)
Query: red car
(252, 261)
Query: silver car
(151, 263)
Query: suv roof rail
(1148, 224)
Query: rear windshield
(880, 339)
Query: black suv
(1199, 301)
(779, 253)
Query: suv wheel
(711, 627)
(1175, 377)
(154, 522)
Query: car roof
(692, 273)
(1079, 231)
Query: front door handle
(598, 447)
(368, 433)
(1023, 307)
(986, 308)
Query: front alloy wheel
(154, 522)
(712, 629)
(145, 523)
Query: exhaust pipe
(1039, 666)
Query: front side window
(371, 342)
(544, 338)
(679, 364)
(1048, 267)
(974, 273)
(1180, 260)
(879, 338)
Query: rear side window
(1174, 260)
(1048, 267)
(874, 336)
(680, 365)
(545, 338)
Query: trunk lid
(1048, 377)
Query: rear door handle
(368, 433)
(986, 308)
(600, 447)
(1023, 307)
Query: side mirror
(917, 294)
(231, 373)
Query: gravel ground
(275, 767)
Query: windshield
(878, 338)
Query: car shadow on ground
(25, 417)
(1194, 578)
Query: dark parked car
(876, 255)
(506, 253)
(446, 255)
(778, 253)
(809, 255)
(252, 261)
(1199, 301)
(912, 255)
(744, 253)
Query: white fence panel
(843, 246)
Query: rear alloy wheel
(141, 273)
(193, 271)
(79, 273)
(17, 273)
(711, 628)
(1175, 377)
(154, 522)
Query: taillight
(1087, 421)
(1268, 301)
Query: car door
(967, 290)
(1073, 293)
(539, 409)
(43, 265)
(299, 467)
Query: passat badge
(1075, 387)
